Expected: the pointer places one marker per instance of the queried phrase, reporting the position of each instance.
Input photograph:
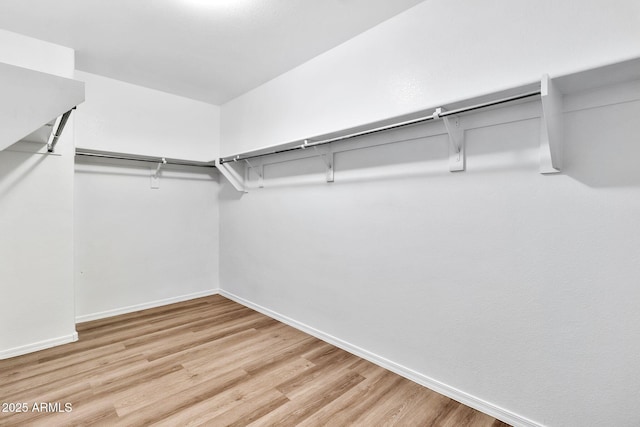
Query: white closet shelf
(35, 105)
(594, 78)
(550, 90)
(321, 144)
(159, 162)
(102, 154)
(514, 95)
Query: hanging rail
(308, 143)
(141, 158)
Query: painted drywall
(437, 52)
(137, 247)
(507, 286)
(122, 117)
(34, 54)
(36, 222)
(516, 288)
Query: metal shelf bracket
(456, 140)
(155, 175)
(232, 176)
(551, 127)
(327, 157)
(258, 170)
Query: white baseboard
(42, 345)
(433, 384)
(144, 306)
(37, 346)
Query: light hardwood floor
(212, 361)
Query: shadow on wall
(227, 192)
(12, 165)
(602, 145)
(144, 170)
(600, 148)
(405, 153)
(415, 158)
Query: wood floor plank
(77, 393)
(211, 361)
(252, 391)
(111, 382)
(295, 411)
(85, 416)
(145, 413)
(255, 409)
(77, 373)
(355, 402)
(317, 374)
(399, 398)
(245, 358)
(21, 373)
(211, 352)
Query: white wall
(510, 288)
(137, 247)
(437, 52)
(36, 222)
(122, 117)
(516, 288)
(36, 54)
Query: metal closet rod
(423, 119)
(141, 158)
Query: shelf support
(57, 129)
(258, 170)
(155, 175)
(232, 176)
(32, 98)
(456, 140)
(551, 127)
(328, 158)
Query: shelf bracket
(551, 127)
(258, 170)
(155, 175)
(456, 140)
(232, 176)
(327, 157)
(57, 129)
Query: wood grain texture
(211, 361)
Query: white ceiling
(210, 50)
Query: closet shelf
(160, 162)
(321, 144)
(550, 91)
(494, 99)
(87, 152)
(36, 105)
